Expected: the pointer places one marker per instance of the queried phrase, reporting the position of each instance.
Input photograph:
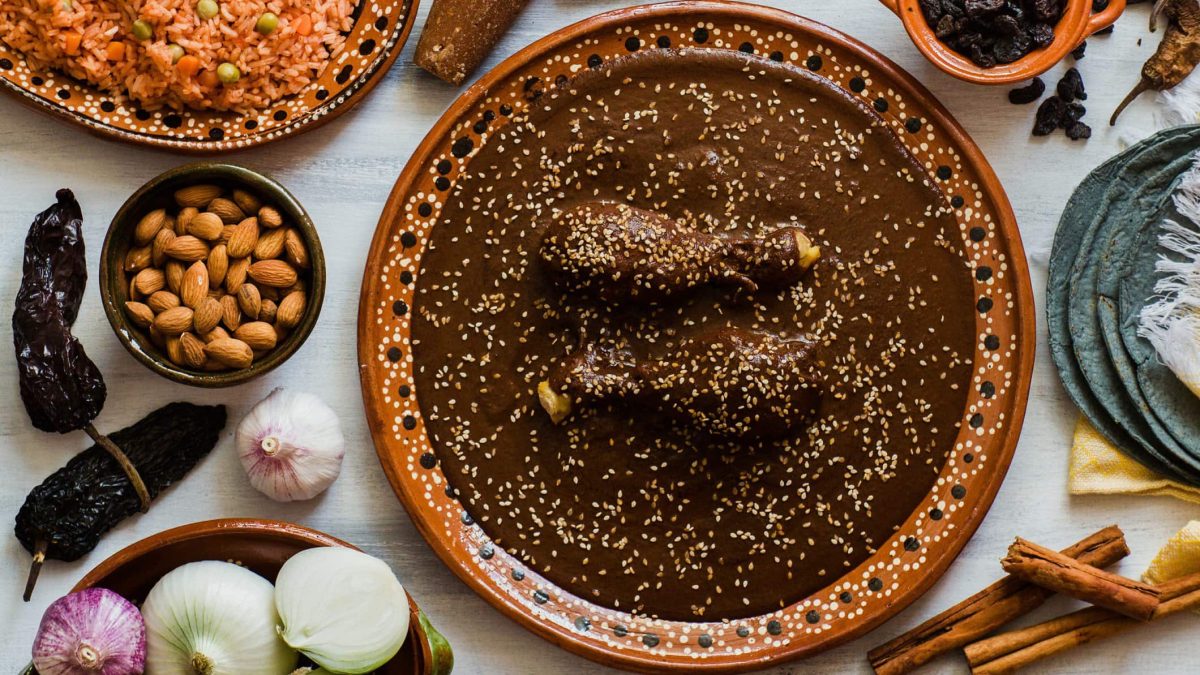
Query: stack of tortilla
(1102, 273)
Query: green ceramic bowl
(159, 193)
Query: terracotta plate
(927, 540)
(378, 35)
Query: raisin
(1079, 51)
(945, 27)
(1079, 131)
(1029, 93)
(1070, 87)
(1008, 50)
(1042, 35)
(1047, 10)
(1048, 115)
(981, 8)
(982, 58)
(1074, 112)
(1099, 5)
(1008, 26)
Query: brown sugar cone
(459, 34)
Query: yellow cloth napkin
(1099, 468)
(1178, 557)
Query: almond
(258, 334)
(156, 337)
(134, 294)
(266, 312)
(291, 310)
(244, 238)
(231, 314)
(174, 321)
(193, 350)
(187, 248)
(227, 233)
(218, 265)
(149, 280)
(175, 351)
(269, 216)
(185, 218)
(281, 333)
(250, 301)
(169, 223)
(207, 315)
(270, 244)
(161, 301)
(197, 196)
(226, 210)
(232, 352)
(149, 226)
(298, 286)
(141, 315)
(270, 293)
(158, 249)
(138, 259)
(247, 202)
(181, 225)
(206, 226)
(174, 271)
(217, 333)
(236, 276)
(195, 285)
(297, 252)
(274, 273)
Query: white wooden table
(343, 172)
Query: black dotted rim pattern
(206, 131)
(992, 388)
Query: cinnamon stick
(459, 34)
(1064, 574)
(986, 611)
(1010, 651)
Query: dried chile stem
(127, 466)
(35, 568)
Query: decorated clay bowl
(925, 541)
(1077, 24)
(261, 546)
(373, 43)
(114, 285)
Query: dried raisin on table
(1029, 93)
(1080, 51)
(1048, 115)
(1074, 112)
(1070, 87)
(1079, 131)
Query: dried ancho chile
(61, 388)
(990, 32)
(1177, 55)
(65, 516)
(1029, 93)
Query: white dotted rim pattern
(912, 559)
(379, 33)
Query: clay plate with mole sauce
(620, 535)
(373, 43)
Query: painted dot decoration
(991, 343)
(429, 461)
(394, 354)
(983, 233)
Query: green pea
(228, 73)
(176, 52)
(207, 9)
(142, 30)
(267, 23)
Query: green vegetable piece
(176, 52)
(228, 73)
(142, 30)
(267, 23)
(207, 9)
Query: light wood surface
(342, 173)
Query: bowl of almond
(212, 274)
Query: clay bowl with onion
(159, 193)
(1078, 23)
(261, 546)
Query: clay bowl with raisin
(1075, 24)
(212, 275)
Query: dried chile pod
(1177, 55)
(61, 388)
(65, 516)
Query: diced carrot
(71, 42)
(209, 78)
(304, 25)
(115, 51)
(188, 65)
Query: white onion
(214, 618)
(291, 446)
(343, 609)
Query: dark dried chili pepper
(1177, 55)
(65, 516)
(62, 389)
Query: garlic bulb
(291, 446)
(341, 608)
(92, 632)
(214, 618)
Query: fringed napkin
(1099, 468)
